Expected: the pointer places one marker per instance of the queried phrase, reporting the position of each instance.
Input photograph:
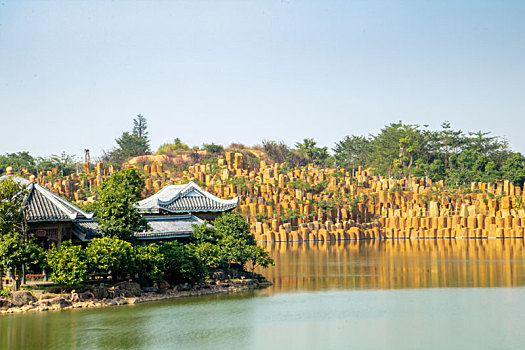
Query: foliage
(12, 195)
(110, 255)
(317, 155)
(209, 254)
(352, 151)
(17, 251)
(173, 148)
(65, 164)
(150, 261)
(234, 250)
(514, 169)
(140, 127)
(234, 225)
(18, 161)
(447, 154)
(229, 241)
(259, 257)
(115, 210)
(68, 264)
(279, 152)
(204, 233)
(131, 144)
(16, 247)
(181, 264)
(213, 148)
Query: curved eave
(69, 209)
(193, 210)
(192, 185)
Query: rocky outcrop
(22, 298)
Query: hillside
(307, 203)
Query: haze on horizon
(73, 75)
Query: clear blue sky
(74, 74)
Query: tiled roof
(185, 199)
(197, 204)
(43, 205)
(165, 227)
(162, 227)
(86, 230)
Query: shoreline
(57, 302)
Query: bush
(110, 255)
(236, 226)
(213, 148)
(170, 148)
(150, 261)
(181, 264)
(68, 264)
(209, 254)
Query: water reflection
(396, 264)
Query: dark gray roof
(162, 227)
(166, 227)
(43, 205)
(86, 230)
(187, 198)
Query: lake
(396, 294)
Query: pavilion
(171, 213)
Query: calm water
(465, 294)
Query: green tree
(140, 126)
(115, 210)
(18, 251)
(234, 250)
(131, 144)
(17, 248)
(173, 148)
(204, 233)
(65, 164)
(18, 161)
(352, 151)
(110, 255)
(181, 264)
(213, 148)
(318, 155)
(210, 254)
(68, 264)
(236, 226)
(150, 261)
(259, 257)
(514, 169)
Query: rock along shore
(123, 293)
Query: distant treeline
(19, 161)
(398, 150)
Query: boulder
(5, 303)
(218, 275)
(183, 287)
(62, 303)
(100, 292)
(129, 289)
(150, 289)
(22, 298)
(163, 284)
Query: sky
(74, 74)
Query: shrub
(110, 255)
(68, 264)
(181, 264)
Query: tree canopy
(115, 210)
